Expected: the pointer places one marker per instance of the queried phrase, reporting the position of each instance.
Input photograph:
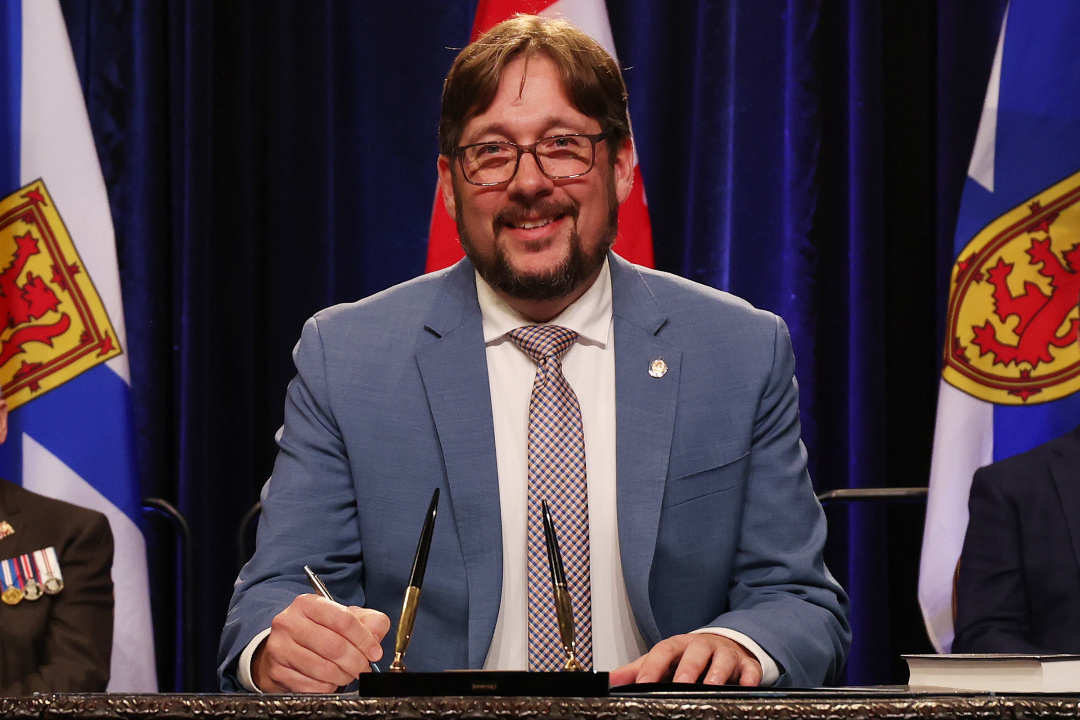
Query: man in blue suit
(705, 538)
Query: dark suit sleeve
(992, 606)
(78, 641)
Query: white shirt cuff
(243, 665)
(770, 672)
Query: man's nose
(529, 180)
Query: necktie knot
(543, 341)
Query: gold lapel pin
(658, 368)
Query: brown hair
(589, 75)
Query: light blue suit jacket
(718, 523)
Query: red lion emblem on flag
(1013, 318)
(54, 324)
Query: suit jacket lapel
(454, 371)
(645, 421)
(1064, 462)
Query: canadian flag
(634, 241)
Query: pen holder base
(483, 682)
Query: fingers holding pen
(376, 624)
(317, 645)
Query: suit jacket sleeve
(77, 643)
(781, 594)
(310, 491)
(992, 607)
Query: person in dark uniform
(56, 618)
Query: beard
(579, 265)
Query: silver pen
(320, 588)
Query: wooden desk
(803, 705)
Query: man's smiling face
(535, 239)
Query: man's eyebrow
(561, 126)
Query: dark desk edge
(855, 704)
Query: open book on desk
(996, 672)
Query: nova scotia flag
(71, 431)
(1012, 356)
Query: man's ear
(624, 170)
(446, 185)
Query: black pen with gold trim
(564, 610)
(412, 593)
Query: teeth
(534, 224)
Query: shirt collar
(589, 316)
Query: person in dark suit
(705, 535)
(55, 629)
(1018, 582)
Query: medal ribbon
(48, 563)
(53, 563)
(6, 578)
(17, 573)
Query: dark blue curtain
(266, 159)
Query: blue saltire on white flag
(75, 441)
(1012, 359)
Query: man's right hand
(316, 645)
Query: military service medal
(32, 589)
(10, 592)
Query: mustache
(516, 213)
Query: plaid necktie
(557, 473)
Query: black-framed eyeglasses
(559, 157)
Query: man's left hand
(714, 659)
